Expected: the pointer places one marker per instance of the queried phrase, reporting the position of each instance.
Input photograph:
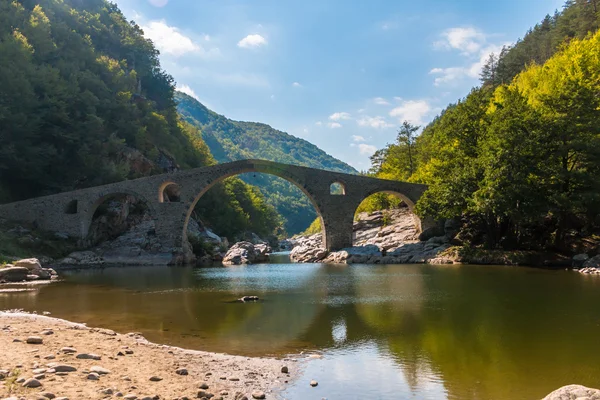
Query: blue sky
(340, 74)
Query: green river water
(385, 331)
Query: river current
(384, 331)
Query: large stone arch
(249, 166)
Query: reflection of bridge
(72, 212)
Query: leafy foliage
(577, 19)
(519, 161)
(84, 102)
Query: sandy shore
(129, 365)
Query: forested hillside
(518, 159)
(84, 102)
(231, 140)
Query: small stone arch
(71, 207)
(337, 188)
(169, 192)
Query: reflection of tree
(489, 333)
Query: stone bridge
(72, 212)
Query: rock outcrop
(572, 392)
(247, 253)
(586, 265)
(28, 269)
(380, 237)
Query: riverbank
(390, 237)
(54, 358)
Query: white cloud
(158, 3)
(381, 101)
(207, 38)
(472, 70)
(412, 111)
(296, 84)
(367, 149)
(339, 116)
(188, 90)
(358, 138)
(334, 125)
(377, 122)
(168, 39)
(318, 123)
(468, 40)
(252, 41)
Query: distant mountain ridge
(230, 140)
(233, 140)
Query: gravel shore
(45, 358)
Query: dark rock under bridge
(72, 212)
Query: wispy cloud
(169, 40)
(366, 149)
(338, 116)
(358, 138)
(296, 84)
(188, 90)
(252, 41)
(473, 44)
(381, 101)
(377, 122)
(334, 125)
(471, 70)
(413, 111)
(468, 40)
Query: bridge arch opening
(169, 192)
(256, 175)
(337, 189)
(113, 214)
(71, 207)
(381, 210)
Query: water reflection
(394, 331)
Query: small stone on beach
(99, 370)
(32, 383)
(35, 340)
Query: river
(384, 331)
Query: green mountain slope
(234, 140)
(84, 102)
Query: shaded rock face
(116, 216)
(247, 253)
(382, 237)
(28, 269)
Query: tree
(406, 138)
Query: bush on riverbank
(24, 241)
(477, 255)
